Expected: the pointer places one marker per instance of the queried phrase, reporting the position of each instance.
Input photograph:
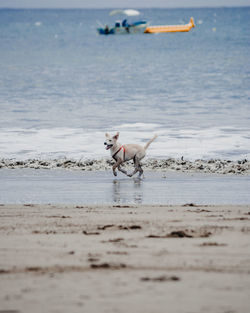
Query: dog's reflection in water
(125, 191)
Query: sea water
(63, 86)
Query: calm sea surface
(62, 86)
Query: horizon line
(140, 8)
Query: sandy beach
(124, 258)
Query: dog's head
(110, 141)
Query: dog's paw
(129, 175)
(115, 174)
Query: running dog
(122, 153)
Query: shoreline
(120, 258)
(213, 166)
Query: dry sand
(148, 259)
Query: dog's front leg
(122, 170)
(117, 164)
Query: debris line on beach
(215, 166)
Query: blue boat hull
(137, 27)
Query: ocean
(63, 86)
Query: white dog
(121, 153)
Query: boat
(123, 26)
(170, 28)
(141, 26)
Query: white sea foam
(38, 23)
(222, 143)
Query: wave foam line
(209, 143)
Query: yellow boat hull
(170, 28)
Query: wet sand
(125, 258)
(101, 187)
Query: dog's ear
(116, 136)
(107, 135)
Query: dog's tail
(149, 142)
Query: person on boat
(125, 25)
(106, 30)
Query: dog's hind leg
(134, 172)
(137, 167)
(140, 170)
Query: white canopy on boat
(128, 12)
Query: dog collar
(113, 156)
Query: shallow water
(62, 186)
(63, 86)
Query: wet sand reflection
(125, 191)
